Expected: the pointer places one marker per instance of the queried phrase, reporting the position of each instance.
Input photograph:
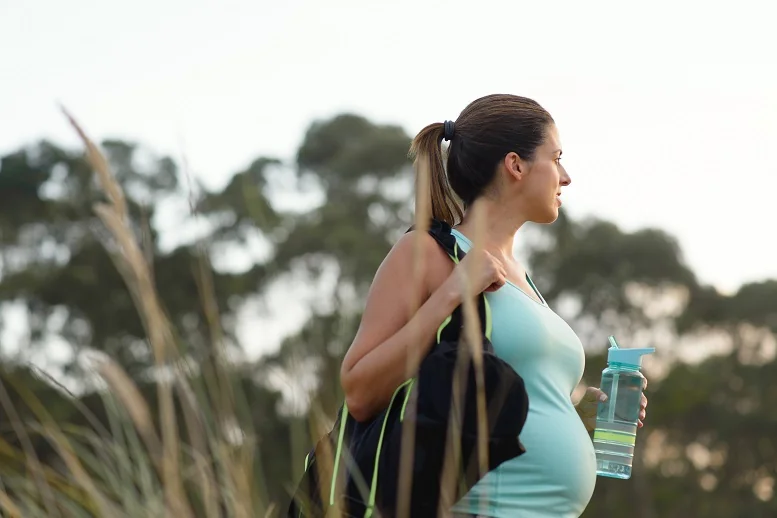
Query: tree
(55, 256)
(356, 164)
(708, 448)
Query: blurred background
(262, 151)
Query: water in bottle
(616, 418)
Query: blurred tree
(708, 448)
(54, 257)
(364, 174)
(356, 164)
(610, 278)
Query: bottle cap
(631, 357)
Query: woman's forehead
(552, 138)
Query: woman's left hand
(588, 404)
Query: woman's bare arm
(394, 329)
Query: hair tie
(449, 129)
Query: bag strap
(442, 233)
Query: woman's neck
(491, 224)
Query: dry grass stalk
(423, 214)
(474, 340)
(7, 504)
(81, 476)
(216, 380)
(122, 386)
(53, 433)
(237, 465)
(138, 278)
(198, 437)
(472, 350)
(30, 457)
(270, 511)
(324, 457)
(100, 165)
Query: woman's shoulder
(418, 249)
(417, 241)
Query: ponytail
(434, 195)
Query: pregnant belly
(555, 477)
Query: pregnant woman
(504, 163)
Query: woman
(503, 163)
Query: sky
(667, 110)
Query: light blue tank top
(556, 476)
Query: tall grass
(186, 449)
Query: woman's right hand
(484, 272)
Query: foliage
(708, 448)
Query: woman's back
(556, 475)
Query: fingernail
(602, 397)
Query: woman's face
(539, 182)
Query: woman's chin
(547, 218)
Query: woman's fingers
(595, 394)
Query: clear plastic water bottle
(616, 418)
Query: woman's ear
(514, 166)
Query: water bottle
(616, 418)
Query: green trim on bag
(442, 326)
(409, 384)
(374, 485)
(337, 454)
(448, 319)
